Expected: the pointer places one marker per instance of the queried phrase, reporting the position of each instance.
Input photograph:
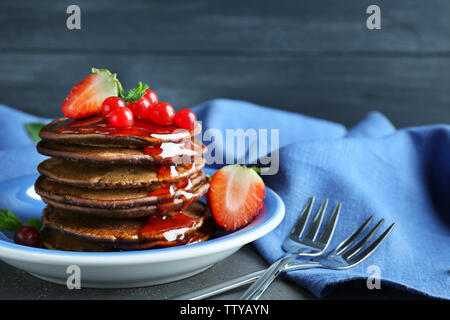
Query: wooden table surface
(313, 57)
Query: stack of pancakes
(110, 188)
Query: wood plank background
(313, 57)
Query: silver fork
(342, 257)
(298, 245)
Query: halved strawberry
(86, 98)
(235, 196)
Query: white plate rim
(9, 250)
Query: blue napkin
(402, 176)
(18, 155)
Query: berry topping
(151, 96)
(86, 98)
(162, 113)
(185, 119)
(141, 108)
(121, 117)
(27, 236)
(235, 196)
(112, 103)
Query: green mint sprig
(33, 129)
(10, 222)
(134, 94)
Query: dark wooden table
(313, 57)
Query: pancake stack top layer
(111, 188)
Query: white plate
(129, 268)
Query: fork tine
(326, 235)
(300, 225)
(347, 242)
(357, 247)
(315, 226)
(370, 249)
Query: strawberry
(86, 98)
(235, 196)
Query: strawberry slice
(86, 98)
(235, 196)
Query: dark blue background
(313, 57)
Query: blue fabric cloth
(18, 155)
(401, 175)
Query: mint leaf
(33, 130)
(8, 221)
(134, 94)
(34, 223)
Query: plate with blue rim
(124, 269)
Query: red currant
(140, 108)
(28, 236)
(121, 117)
(162, 113)
(185, 119)
(111, 103)
(151, 96)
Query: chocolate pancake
(96, 131)
(59, 240)
(118, 198)
(93, 233)
(121, 188)
(106, 176)
(170, 152)
(124, 208)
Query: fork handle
(221, 287)
(239, 282)
(257, 289)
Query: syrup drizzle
(100, 125)
(181, 152)
(175, 152)
(172, 226)
(178, 223)
(169, 171)
(166, 191)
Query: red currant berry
(162, 113)
(151, 96)
(140, 108)
(28, 236)
(121, 117)
(112, 103)
(185, 119)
